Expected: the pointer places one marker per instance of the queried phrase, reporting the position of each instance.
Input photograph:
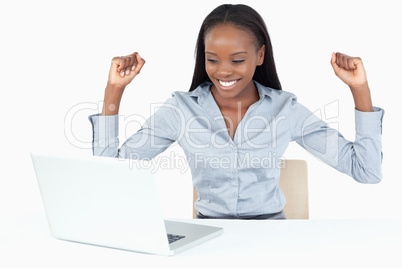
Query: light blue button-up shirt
(239, 177)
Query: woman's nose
(225, 70)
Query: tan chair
(293, 183)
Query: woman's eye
(212, 60)
(238, 61)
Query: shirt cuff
(105, 129)
(369, 122)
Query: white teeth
(227, 84)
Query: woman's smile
(228, 84)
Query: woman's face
(231, 57)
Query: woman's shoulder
(198, 93)
(275, 94)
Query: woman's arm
(351, 71)
(122, 72)
(155, 135)
(360, 159)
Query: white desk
(26, 242)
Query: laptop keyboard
(173, 238)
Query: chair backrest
(293, 183)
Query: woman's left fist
(349, 69)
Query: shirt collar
(203, 90)
(263, 90)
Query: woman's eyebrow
(245, 52)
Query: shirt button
(235, 195)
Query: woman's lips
(228, 84)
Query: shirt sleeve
(360, 159)
(158, 132)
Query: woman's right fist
(124, 69)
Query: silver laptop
(112, 203)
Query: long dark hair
(245, 18)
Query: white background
(55, 58)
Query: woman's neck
(244, 100)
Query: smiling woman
(231, 60)
(236, 118)
(240, 17)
